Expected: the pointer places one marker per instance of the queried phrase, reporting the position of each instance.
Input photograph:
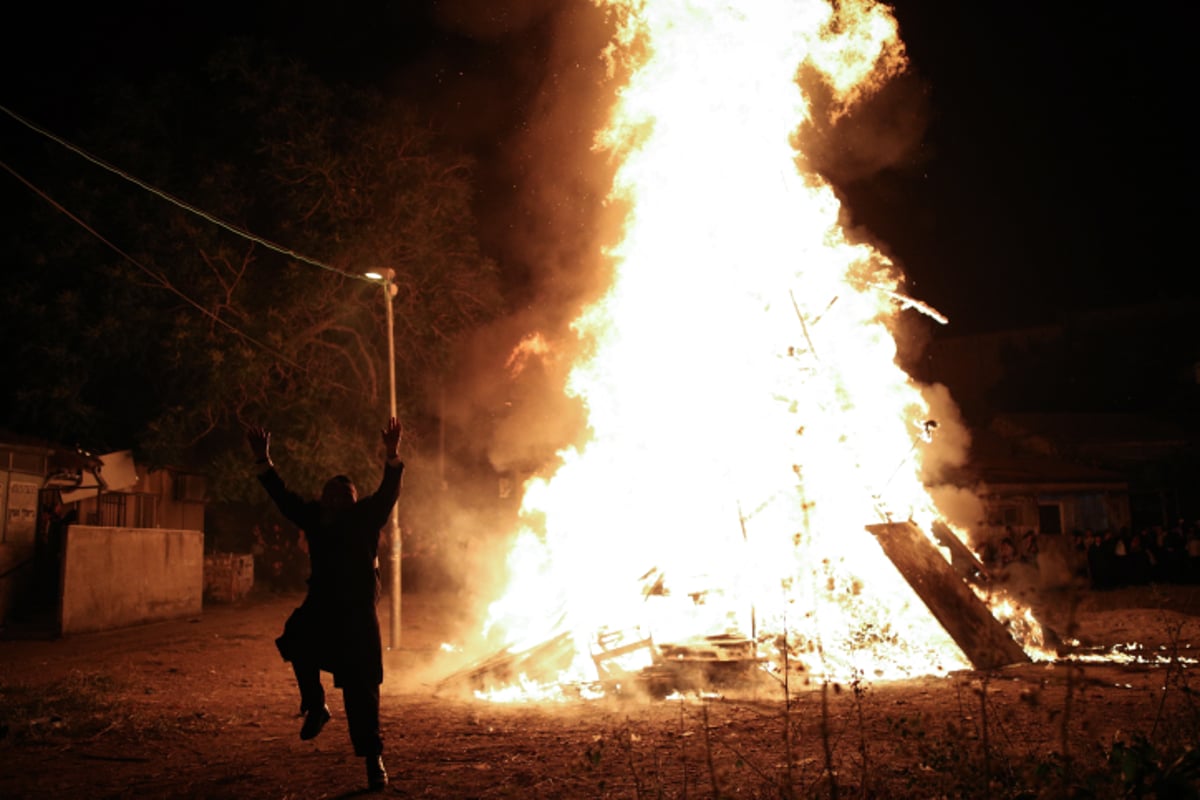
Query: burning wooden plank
(962, 560)
(983, 639)
(539, 663)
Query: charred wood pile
(627, 662)
(631, 661)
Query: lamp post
(387, 279)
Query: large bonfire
(748, 418)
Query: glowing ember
(748, 416)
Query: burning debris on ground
(630, 661)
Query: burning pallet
(626, 661)
(712, 662)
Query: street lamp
(387, 279)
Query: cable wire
(177, 202)
(162, 281)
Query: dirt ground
(204, 708)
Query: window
(1050, 518)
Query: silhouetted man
(336, 628)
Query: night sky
(1045, 167)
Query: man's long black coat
(337, 627)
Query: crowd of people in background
(1109, 559)
(1159, 554)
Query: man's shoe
(376, 774)
(314, 721)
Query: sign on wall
(21, 513)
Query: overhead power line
(176, 201)
(157, 277)
(166, 284)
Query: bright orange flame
(749, 418)
(532, 345)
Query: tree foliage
(173, 333)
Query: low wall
(114, 577)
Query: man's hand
(260, 444)
(391, 439)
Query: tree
(190, 331)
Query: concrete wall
(115, 577)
